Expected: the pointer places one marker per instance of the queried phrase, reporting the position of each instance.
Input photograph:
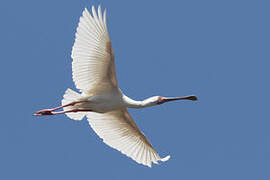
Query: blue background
(218, 50)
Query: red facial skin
(160, 100)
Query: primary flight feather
(101, 100)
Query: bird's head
(162, 99)
(157, 100)
(152, 101)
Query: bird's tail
(69, 97)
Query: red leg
(46, 113)
(49, 111)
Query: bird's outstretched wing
(118, 130)
(93, 60)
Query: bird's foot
(44, 112)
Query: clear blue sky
(218, 50)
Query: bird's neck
(135, 104)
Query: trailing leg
(47, 113)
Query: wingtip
(165, 158)
(85, 11)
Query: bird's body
(101, 100)
(108, 101)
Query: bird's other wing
(93, 60)
(118, 130)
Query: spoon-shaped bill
(167, 99)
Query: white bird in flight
(101, 100)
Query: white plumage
(92, 53)
(118, 130)
(101, 100)
(92, 50)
